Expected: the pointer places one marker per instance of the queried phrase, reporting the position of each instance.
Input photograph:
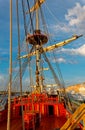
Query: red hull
(40, 112)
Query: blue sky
(64, 19)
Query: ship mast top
(37, 18)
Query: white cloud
(76, 15)
(76, 18)
(63, 27)
(3, 80)
(79, 51)
(73, 52)
(60, 60)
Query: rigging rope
(67, 98)
(51, 68)
(20, 71)
(60, 75)
(30, 16)
(43, 20)
(51, 13)
(59, 71)
(24, 16)
(27, 47)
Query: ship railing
(52, 100)
(33, 99)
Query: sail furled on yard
(36, 6)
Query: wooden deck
(15, 125)
(47, 123)
(51, 123)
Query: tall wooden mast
(10, 70)
(37, 39)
